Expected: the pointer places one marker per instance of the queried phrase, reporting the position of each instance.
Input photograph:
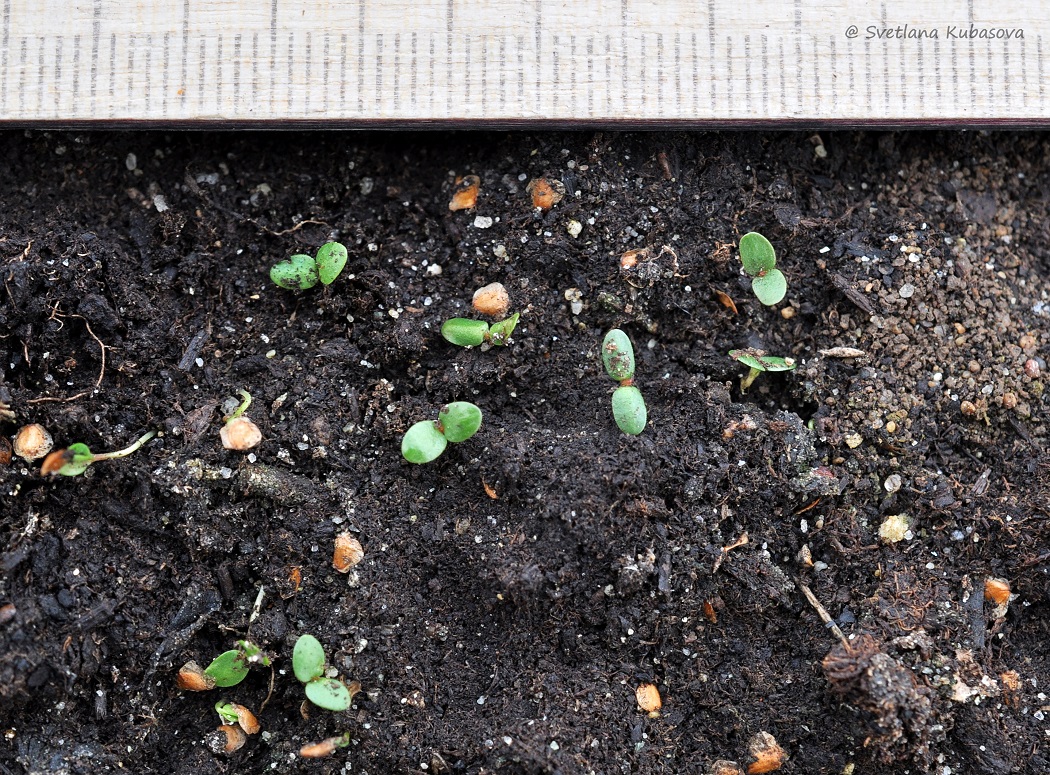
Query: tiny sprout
(629, 410)
(472, 333)
(760, 262)
(427, 439)
(75, 459)
(308, 664)
(326, 747)
(302, 272)
(238, 432)
(758, 362)
(232, 713)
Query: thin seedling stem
(126, 451)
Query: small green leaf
(226, 712)
(465, 332)
(331, 258)
(228, 669)
(253, 653)
(770, 287)
(499, 333)
(307, 658)
(296, 274)
(629, 410)
(757, 254)
(460, 420)
(618, 355)
(329, 694)
(756, 359)
(423, 442)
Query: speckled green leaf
(296, 274)
(228, 669)
(756, 254)
(331, 258)
(329, 694)
(629, 410)
(423, 442)
(618, 355)
(770, 287)
(307, 658)
(460, 420)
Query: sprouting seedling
(760, 262)
(233, 713)
(628, 406)
(472, 333)
(238, 432)
(308, 664)
(76, 458)
(227, 669)
(758, 362)
(427, 439)
(301, 272)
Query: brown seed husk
(997, 591)
(767, 754)
(466, 195)
(348, 552)
(724, 767)
(648, 697)
(5, 451)
(246, 719)
(492, 300)
(32, 442)
(192, 678)
(545, 193)
(240, 434)
(235, 738)
(324, 748)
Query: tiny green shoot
(760, 262)
(302, 272)
(427, 439)
(472, 333)
(76, 458)
(628, 405)
(308, 662)
(226, 712)
(757, 361)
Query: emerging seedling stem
(757, 361)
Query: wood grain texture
(502, 63)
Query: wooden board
(541, 63)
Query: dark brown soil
(516, 592)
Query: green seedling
(231, 667)
(308, 664)
(629, 410)
(426, 440)
(760, 262)
(76, 458)
(758, 362)
(302, 272)
(472, 333)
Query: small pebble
(1031, 368)
(892, 483)
(787, 313)
(907, 291)
(1009, 400)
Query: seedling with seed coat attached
(308, 664)
(426, 440)
(629, 410)
(75, 459)
(760, 262)
(758, 362)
